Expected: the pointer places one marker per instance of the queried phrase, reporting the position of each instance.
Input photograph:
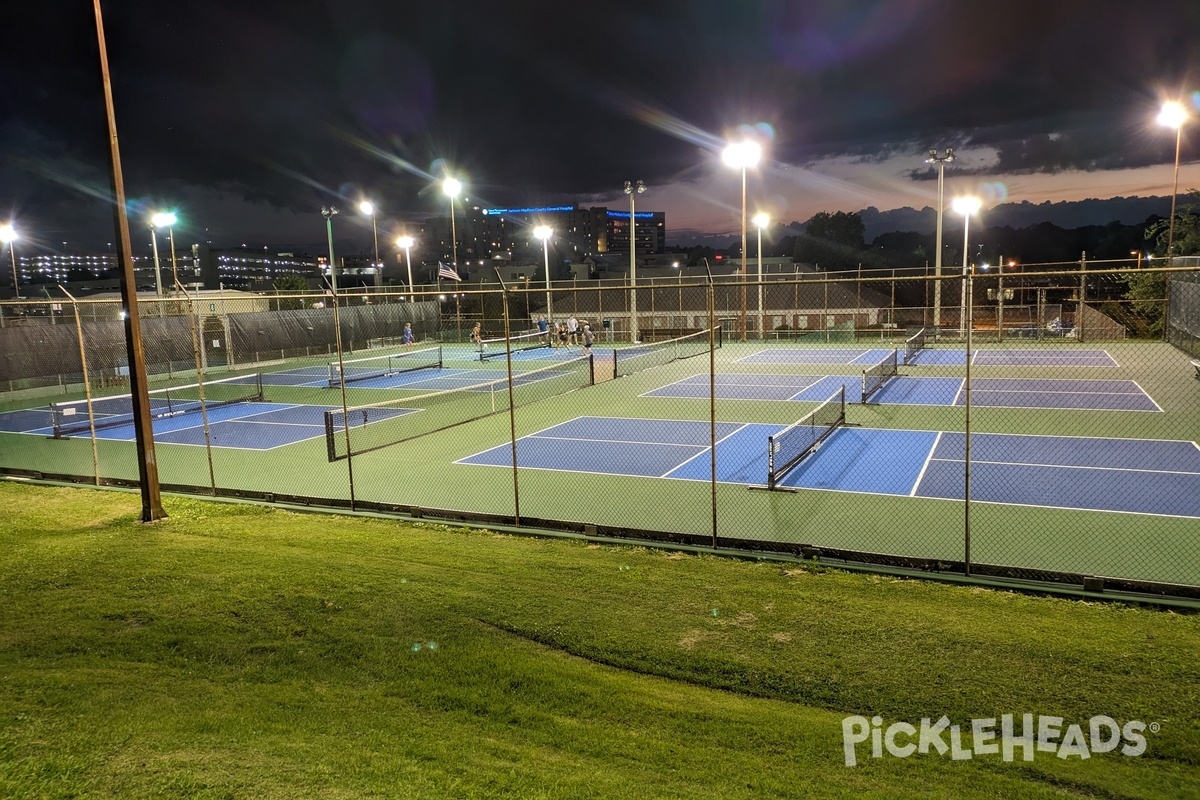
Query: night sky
(248, 116)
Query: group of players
(567, 334)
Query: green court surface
(421, 473)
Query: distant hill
(1076, 214)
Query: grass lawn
(234, 651)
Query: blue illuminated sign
(637, 214)
(495, 212)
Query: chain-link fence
(1040, 432)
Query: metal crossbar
(381, 366)
(875, 377)
(788, 448)
(108, 412)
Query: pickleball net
(789, 447)
(873, 378)
(628, 360)
(364, 428)
(107, 412)
(914, 345)
(496, 348)
(384, 366)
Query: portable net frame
(788, 448)
(914, 345)
(496, 348)
(873, 378)
(383, 366)
(108, 412)
(628, 360)
(378, 425)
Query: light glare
(966, 205)
(742, 154)
(1172, 115)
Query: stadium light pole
(761, 221)
(1173, 115)
(368, 208)
(940, 160)
(965, 206)
(633, 189)
(8, 235)
(742, 155)
(451, 188)
(164, 219)
(154, 248)
(405, 243)
(543, 232)
(328, 213)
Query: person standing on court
(572, 330)
(475, 335)
(407, 336)
(588, 338)
(544, 329)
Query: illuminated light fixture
(743, 155)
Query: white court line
(925, 466)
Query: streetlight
(632, 189)
(760, 221)
(543, 232)
(328, 212)
(1173, 115)
(164, 219)
(965, 206)
(368, 208)
(8, 235)
(934, 158)
(451, 188)
(405, 243)
(742, 155)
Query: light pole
(328, 212)
(742, 155)
(1173, 115)
(154, 247)
(8, 235)
(405, 243)
(934, 158)
(368, 208)
(451, 188)
(761, 221)
(965, 206)
(632, 189)
(543, 232)
(164, 219)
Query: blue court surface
(1041, 393)
(249, 426)
(999, 357)
(1088, 473)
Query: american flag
(448, 272)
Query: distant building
(485, 233)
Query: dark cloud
(285, 105)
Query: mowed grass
(235, 651)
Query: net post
(330, 444)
